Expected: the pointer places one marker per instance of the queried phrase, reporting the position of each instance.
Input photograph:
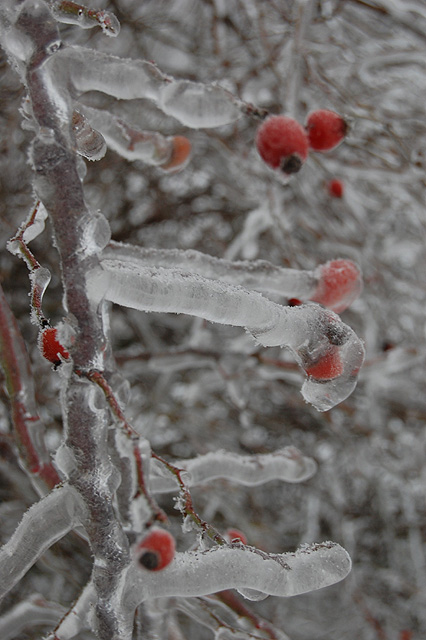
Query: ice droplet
(90, 143)
(252, 594)
(96, 234)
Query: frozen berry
(181, 148)
(235, 535)
(282, 143)
(328, 367)
(157, 550)
(325, 129)
(294, 302)
(51, 348)
(336, 188)
(339, 284)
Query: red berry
(282, 143)
(339, 284)
(328, 367)
(294, 302)
(51, 348)
(336, 188)
(235, 534)
(157, 550)
(325, 129)
(180, 154)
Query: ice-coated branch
(212, 613)
(246, 615)
(288, 465)
(45, 522)
(74, 13)
(28, 428)
(27, 614)
(194, 104)
(254, 274)
(196, 573)
(166, 152)
(327, 349)
(79, 234)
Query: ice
(31, 612)
(65, 460)
(32, 538)
(252, 594)
(90, 143)
(196, 573)
(339, 284)
(194, 104)
(254, 274)
(197, 105)
(30, 229)
(73, 13)
(96, 232)
(328, 350)
(332, 359)
(131, 143)
(40, 279)
(37, 226)
(288, 465)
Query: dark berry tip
(337, 335)
(291, 164)
(344, 127)
(149, 560)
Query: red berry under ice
(282, 143)
(50, 346)
(156, 550)
(325, 129)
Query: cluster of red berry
(284, 144)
